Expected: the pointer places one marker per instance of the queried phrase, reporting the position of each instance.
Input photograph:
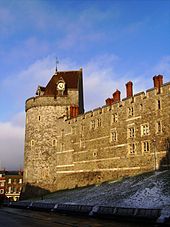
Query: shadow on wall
(31, 191)
(165, 162)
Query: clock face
(61, 86)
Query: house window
(131, 132)
(92, 124)
(158, 127)
(9, 181)
(145, 129)
(20, 181)
(114, 117)
(113, 136)
(130, 112)
(145, 146)
(132, 148)
(39, 118)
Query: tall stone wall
(123, 139)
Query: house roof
(71, 79)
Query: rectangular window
(146, 146)
(145, 129)
(99, 123)
(20, 181)
(131, 132)
(92, 125)
(9, 181)
(113, 136)
(114, 118)
(158, 127)
(130, 112)
(73, 130)
(132, 148)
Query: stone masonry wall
(123, 139)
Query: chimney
(158, 82)
(109, 101)
(77, 110)
(116, 96)
(160, 78)
(129, 89)
(74, 111)
(71, 111)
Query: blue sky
(114, 41)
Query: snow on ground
(149, 190)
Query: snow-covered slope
(149, 190)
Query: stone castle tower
(67, 148)
(62, 98)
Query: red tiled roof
(71, 79)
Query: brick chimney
(74, 111)
(129, 89)
(116, 96)
(158, 82)
(109, 101)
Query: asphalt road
(10, 217)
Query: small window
(39, 118)
(132, 148)
(92, 125)
(158, 127)
(54, 143)
(145, 129)
(32, 143)
(82, 144)
(130, 112)
(9, 181)
(114, 117)
(94, 154)
(145, 146)
(62, 147)
(99, 123)
(159, 104)
(131, 132)
(113, 136)
(20, 181)
(73, 130)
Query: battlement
(141, 97)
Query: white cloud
(11, 145)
